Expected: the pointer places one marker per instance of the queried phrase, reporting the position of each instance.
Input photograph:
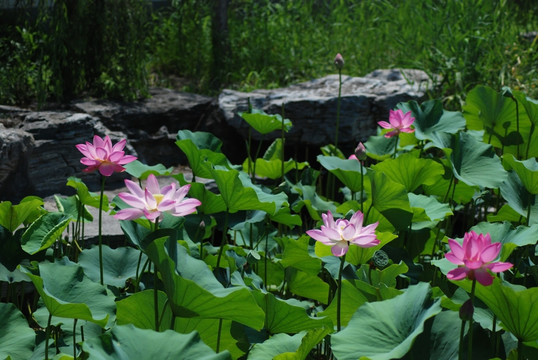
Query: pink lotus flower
(399, 122)
(340, 233)
(475, 258)
(102, 156)
(153, 201)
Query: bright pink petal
(187, 207)
(456, 249)
(453, 258)
(152, 215)
(119, 145)
(127, 159)
(392, 133)
(385, 125)
(407, 130)
(472, 264)
(366, 241)
(457, 273)
(490, 252)
(330, 233)
(107, 169)
(497, 267)
(483, 277)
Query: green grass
(275, 43)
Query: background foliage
(116, 48)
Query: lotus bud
(360, 152)
(339, 61)
(467, 310)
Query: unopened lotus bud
(467, 310)
(360, 152)
(339, 61)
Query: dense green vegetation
(117, 48)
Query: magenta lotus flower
(475, 257)
(102, 156)
(340, 233)
(153, 201)
(399, 122)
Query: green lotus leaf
(129, 342)
(474, 162)
(431, 120)
(352, 299)
(518, 198)
(202, 150)
(381, 330)
(308, 341)
(44, 232)
(73, 207)
(141, 171)
(282, 316)
(12, 216)
(16, 337)
(265, 123)
(238, 192)
(193, 290)
(411, 171)
(68, 293)
(526, 170)
(118, 264)
(346, 170)
(85, 196)
(391, 200)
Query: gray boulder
(15, 147)
(151, 124)
(312, 105)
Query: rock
(312, 105)
(151, 124)
(15, 147)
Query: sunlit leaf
(366, 332)
(411, 171)
(526, 170)
(265, 123)
(141, 171)
(474, 162)
(68, 293)
(118, 264)
(431, 120)
(129, 342)
(283, 317)
(44, 232)
(193, 290)
(12, 216)
(352, 299)
(347, 171)
(85, 196)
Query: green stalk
(470, 347)
(362, 187)
(462, 332)
(100, 229)
(339, 294)
(47, 336)
(529, 140)
(75, 339)
(224, 239)
(155, 281)
(283, 139)
(218, 336)
(395, 149)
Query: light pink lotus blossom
(153, 201)
(102, 156)
(340, 233)
(475, 257)
(399, 122)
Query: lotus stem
(470, 347)
(75, 339)
(155, 291)
(100, 229)
(339, 294)
(47, 336)
(219, 331)
(362, 187)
